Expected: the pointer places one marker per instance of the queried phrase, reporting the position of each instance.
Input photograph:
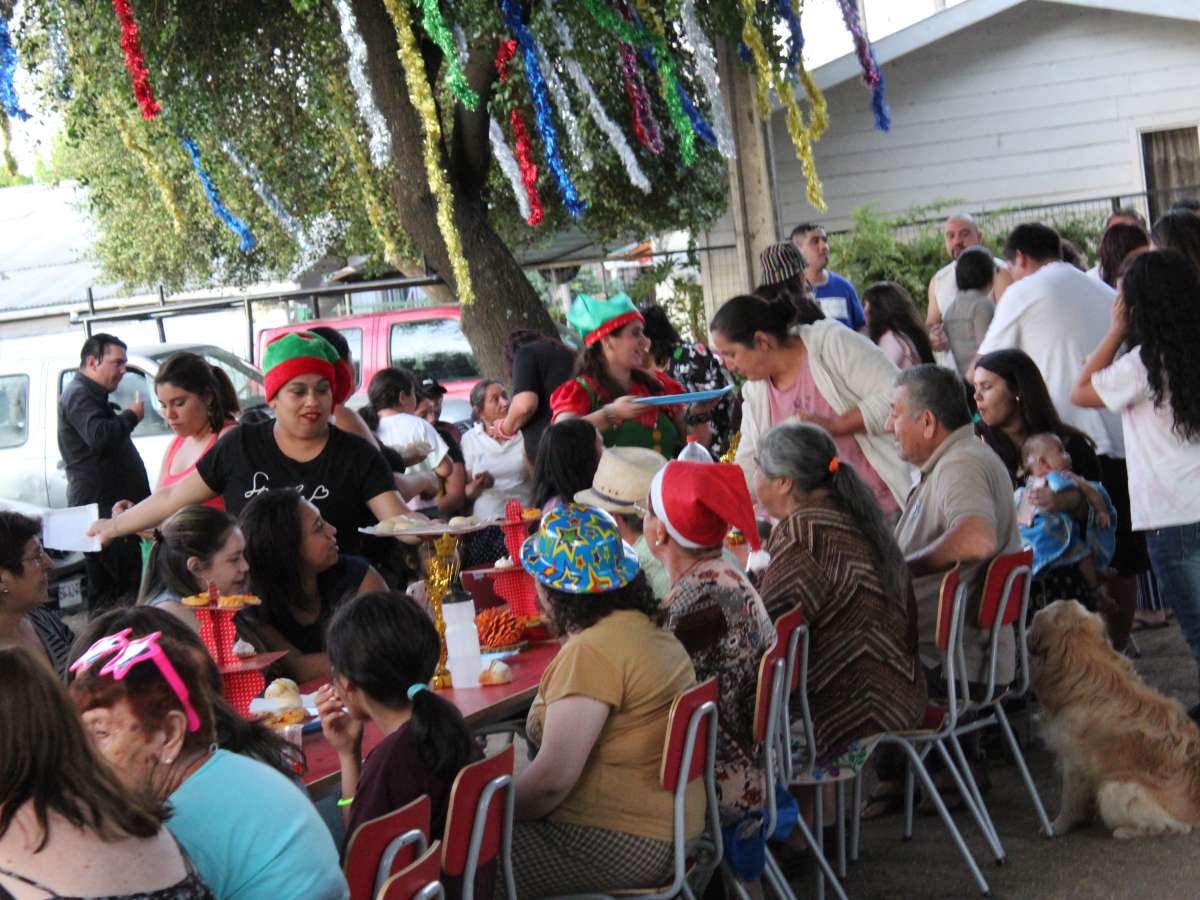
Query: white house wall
(1042, 103)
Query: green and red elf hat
(595, 318)
(299, 353)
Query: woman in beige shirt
(591, 811)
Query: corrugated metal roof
(45, 235)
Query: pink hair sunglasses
(128, 654)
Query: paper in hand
(66, 529)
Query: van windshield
(434, 347)
(247, 380)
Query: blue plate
(677, 399)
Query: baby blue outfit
(253, 834)
(1058, 539)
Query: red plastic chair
(380, 847)
(479, 822)
(417, 881)
(689, 752)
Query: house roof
(972, 12)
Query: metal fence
(1151, 205)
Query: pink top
(165, 478)
(899, 349)
(804, 397)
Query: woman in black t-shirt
(296, 570)
(342, 475)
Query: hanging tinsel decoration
(789, 11)
(512, 10)
(524, 151)
(616, 23)
(311, 241)
(562, 102)
(9, 104)
(236, 225)
(379, 143)
(420, 95)
(135, 62)
(150, 163)
(456, 79)
(872, 76)
(645, 126)
(766, 75)
(706, 67)
(509, 166)
(598, 113)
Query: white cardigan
(849, 371)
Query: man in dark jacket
(102, 464)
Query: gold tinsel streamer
(802, 137)
(421, 97)
(646, 11)
(818, 111)
(10, 164)
(150, 164)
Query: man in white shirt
(1057, 316)
(960, 233)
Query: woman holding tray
(612, 376)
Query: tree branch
(470, 151)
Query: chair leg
(822, 863)
(774, 877)
(819, 831)
(1002, 716)
(839, 794)
(733, 886)
(916, 762)
(978, 812)
(856, 814)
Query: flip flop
(883, 802)
(1142, 625)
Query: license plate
(70, 593)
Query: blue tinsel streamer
(744, 53)
(236, 225)
(8, 67)
(699, 125)
(796, 42)
(883, 112)
(541, 105)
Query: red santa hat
(698, 503)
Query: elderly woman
(715, 612)
(298, 573)
(833, 554)
(344, 476)
(68, 826)
(800, 365)
(496, 469)
(591, 811)
(612, 376)
(24, 580)
(147, 704)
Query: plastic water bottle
(463, 657)
(694, 451)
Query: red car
(427, 341)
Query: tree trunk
(504, 298)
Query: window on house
(1171, 159)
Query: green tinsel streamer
(456, 78)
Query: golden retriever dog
(1126, 751)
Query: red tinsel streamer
(644, 125)
(135, 61)
(504, 54)
(524, 154)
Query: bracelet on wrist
(345, 801)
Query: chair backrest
(949, 637)
(419, 880)
(675, 746)
(787, 632)
(1005, 601)
(380, 847)
(479, 819)
(947, 606)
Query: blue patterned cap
(579, 550)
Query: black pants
(113, 575)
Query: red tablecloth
(480, 706)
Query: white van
(32, 472)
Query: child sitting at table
(383, 649)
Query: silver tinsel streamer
(312, 241)
(380, 143)
(610, 128)
(563, 101)
(508, 165)
(706, 66)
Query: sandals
(886, 799)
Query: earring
(167, 760)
